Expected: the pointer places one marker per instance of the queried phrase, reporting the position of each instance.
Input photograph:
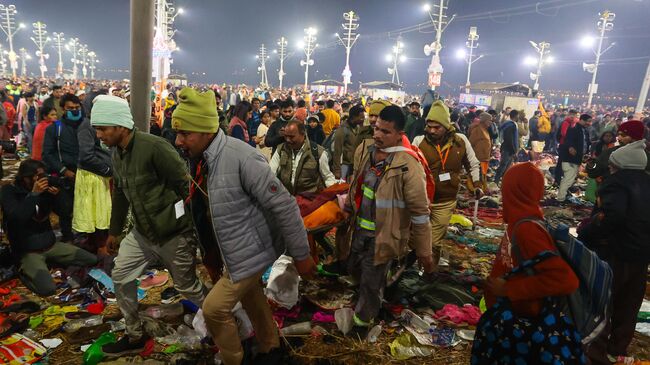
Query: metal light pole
(262, 57)
(438, 17)
(8, 25)
(83, 51)
(23, 61)
(73, 46)
(543, 48)
(471, 45)
(605, 23)
(93, 59)
(58, 43)
(282, 53)
(40, 39)
(309, 47)
(348, 40)
(142, 29)
(3, 61)
(398, 48)
(643, 94)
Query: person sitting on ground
(26, 207)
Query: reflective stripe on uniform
(388, 203)
(420, 219)
(366, 224)
(368, 192)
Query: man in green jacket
(346, 142)
(152, 180)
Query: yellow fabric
(332, 121)
(544, 121)
(92, 202)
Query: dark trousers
(63, 209)
(372, 278)
(628, 290)
(504, 165)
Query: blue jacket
(253, 216)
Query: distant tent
(328, 82)
(381, 85)
(502, 87)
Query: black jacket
(61, 148)
(576, 138)
(273, 138)
(316, 135)
(600, 166)
(27, 230)
(626, 223)
(92, 156)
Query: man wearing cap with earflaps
(622, 219)
(447, 153)
(151, 179)
(239, 206)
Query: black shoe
(125, 346)
(169, 295)
(336, 268)
(269, 358)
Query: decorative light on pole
(438, 17)
(93, 60)
(309, 46)
(605, 24)
(8, 25)
(349, 38)
(58, 43)
(24, 56)
(396, 57)
(544, 49)
(262, 57)
(163, 44)
(83, 51)
(73, 46)
(282, 53)
(40, 39)
(471, 44)
(3, 61)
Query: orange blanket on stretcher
(322, 209)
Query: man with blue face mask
(61, 154)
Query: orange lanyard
(196, 184)
(443, 160)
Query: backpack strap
(57, 134)
(527, 265)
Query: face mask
(73, 115)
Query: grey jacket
(253, 216)
(92, 156)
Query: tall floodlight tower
(349, 38)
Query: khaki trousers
(440, 217)
(221, 323)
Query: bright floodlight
(389, 57)
(587, 41)
(426, 7)
(300, 44)
(180, 11)
(550, 59)
(530, 61)
(22, 25)
(461, 54)
(402, 58)
(311, 31)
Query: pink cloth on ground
(468, 313)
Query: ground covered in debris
(426, 318)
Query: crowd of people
(221, 166)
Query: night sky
(220, 38)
